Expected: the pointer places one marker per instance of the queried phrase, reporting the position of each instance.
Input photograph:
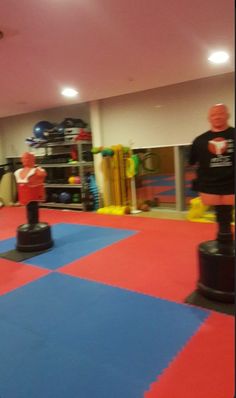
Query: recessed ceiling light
(219, 57)
(69, 92)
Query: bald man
(213, 154)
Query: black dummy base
(197, 299)
(34, 237)
(216, 270)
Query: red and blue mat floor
(102, 313)
(162, 187)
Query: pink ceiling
(106, 48)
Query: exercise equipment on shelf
(65, 197)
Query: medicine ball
(54, 197)
(76, 198)
(65, 197)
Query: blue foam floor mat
(66, 337)
(71, 242)
(172, 192)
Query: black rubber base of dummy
(16, 255)
(216, 270)
(197, 299)
(34, 237)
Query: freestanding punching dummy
(213, 153)
(35, 235)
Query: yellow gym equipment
(198, 212)
(116, 160)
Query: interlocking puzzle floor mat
(102, 313)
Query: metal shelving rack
(81, 165)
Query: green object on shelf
(71, 161)
(107, 152)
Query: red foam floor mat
(136, 264)
(205, 367)
(14, 275)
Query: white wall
(170, 115)
(15, 129)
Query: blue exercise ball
(42, 128)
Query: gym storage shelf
(59, 192)
(77, 164)
(70, 186)
(75, 206)
(65, 143)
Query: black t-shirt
(213, 153)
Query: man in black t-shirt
(213, 153)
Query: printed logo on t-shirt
(218, 146)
